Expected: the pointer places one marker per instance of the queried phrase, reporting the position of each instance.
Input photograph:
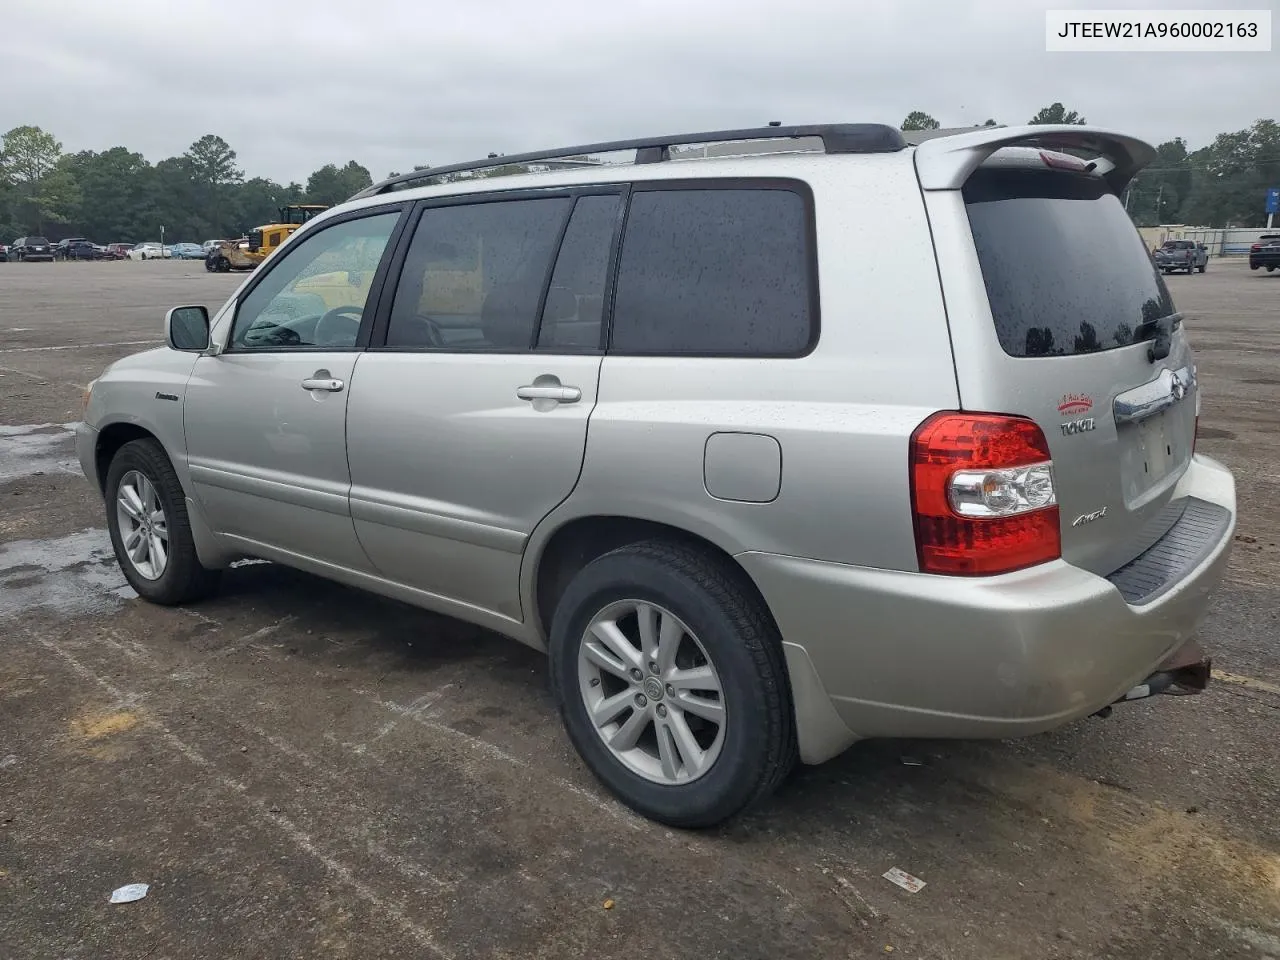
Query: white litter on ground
(903, 879)
(130, 892)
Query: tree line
(1223, 184)
(118, 195)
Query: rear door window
(1066, 271)
(716, 272)
(474, 274)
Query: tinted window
(37, 242)
(714, 272)
(315, 296)
(575, 300)
(474, 274)
(1064, 268)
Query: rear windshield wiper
(1160, 332)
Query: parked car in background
(75, 248)
(992, 519)
(209, 246)
(149, 250)
(186, 251)
(227, 255)
(31, 248)
(1265, 253)
(4, 253)
(118, 251)
(1185, 255)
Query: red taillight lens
(983, 495)
(1256, 247)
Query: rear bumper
(880, 653)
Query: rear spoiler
(946, 162)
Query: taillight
(983, 495)
(1255, 248)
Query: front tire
(669, 675)
(150, 529)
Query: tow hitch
(1178, 678)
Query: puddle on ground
(30, 449)
(72, 576)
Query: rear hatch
(1072, 326)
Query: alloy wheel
(144, 528)
(651, 692)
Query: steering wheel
(340, 336)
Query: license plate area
(1153, 450)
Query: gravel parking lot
(301, 770)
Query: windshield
(1065, 270)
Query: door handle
(328, 384)
(538, 391)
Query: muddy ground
(300, 770)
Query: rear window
(37, 242)
(1065, 270)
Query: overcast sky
(294, 84)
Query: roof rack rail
(835, 137)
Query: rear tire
(684, 768)
(1270, 267)
(158, 554)
(1204, 266)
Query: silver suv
(772, 439)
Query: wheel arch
(557, 552)
(113, 436)
(212, 552)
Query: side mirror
(187, 329)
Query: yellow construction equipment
(247, 252)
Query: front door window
(316, 296)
